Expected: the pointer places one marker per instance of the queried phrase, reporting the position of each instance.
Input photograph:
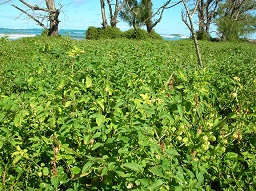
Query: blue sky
(80, 14)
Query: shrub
(92, 33)
(141, 34)
(110, 33)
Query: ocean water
(14, 33)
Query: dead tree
(103, 14)
(114, 14)
(187, 18)
(51, 12)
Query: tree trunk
(149, 22)
(53, 18)
(190, 25)
(103, 14)
(54, 24)
(52, 14)
(201, 16)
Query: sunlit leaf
(133, 166)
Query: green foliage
(110, 33)
(141, 34)
(155, 35)
(45, 32)
(202, 35)
(236, 20)
(125, 114)
(127, 13)
(93, 33)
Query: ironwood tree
(236, 19)
(141, 13)
(50, 12)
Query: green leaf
(156, 185)
(62, 84)
(45, 171)
(16, 159)
(144, 182)
(101, 103)
(96, 145)
(18, 120)
(55, 181)
(172, 152)
(1, 144)
(179, 107)
(68, 103)
(87, 139)
(132, 166)
(88, 82)
(87, 166)
(188, 106)
(200, 178)
(75, 170)
(104, 171)
(156, 170)
(100, 119)
(2, 115)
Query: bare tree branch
(189, 14)
(4, 2)
(160, 12)
(50, 11)
(113, 16)
(37, 8)
(31, 16)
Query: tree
(130, 13)
(187, 18)
(236, 19)
(51, 12)
(139, 13)
(112, 12)
(206, 11)
(103, 14)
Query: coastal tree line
(233, 18)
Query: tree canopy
(236, 19)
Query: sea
(16, 33)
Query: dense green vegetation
(126, 115)
(93, 33)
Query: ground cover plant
(126, 115)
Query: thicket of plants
(94, 33)
(126, 115)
